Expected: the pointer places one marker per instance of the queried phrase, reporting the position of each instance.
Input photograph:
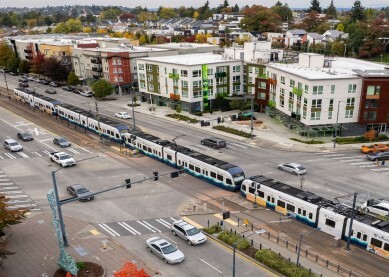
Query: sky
(194, 3)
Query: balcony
(96, 61)
(29, 51)
(174, 96)
(97, 69)
(272, 81)
(220, 74)
(297, 91)
(263, 76)
(96, 75)
(174, 75)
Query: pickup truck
(62, 158)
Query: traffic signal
(226, 215)
(155, 173)
(128, 183)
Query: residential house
(294, 36)
(312, 38)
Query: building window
(316, 103)
(282, 80)
(349, 113)
(196, 84)
(350, 101)
(185, 93)
(292, 83)
(157, 69)
(370, 116)
(373, 90)
(262, 85)
(196, 73)
(331, 102)
(305, 102)
(197, 94)
(221, 81)
(291, 98)
(290, 107)
(142, 85)
(175, 82)
(235, 89)
(141, 66)
(352, 88)
(149, 67)
(150, 78)
(210, 82)
(282, 102)
(210, 71)
(332, 89)
(371, 103)
(262, 95)
(330, 115)
(236, 68)
(236, 79)
(210, 91)
(141, 76)
(151, 87)
(282, 92)
(315, 115)
(184, 73)
(184, 84)
(317, 90)
(221, 90)
(250, 80)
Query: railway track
(217, 204)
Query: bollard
(260, 246)
(243, 235)
(235, 232)
(306, 253)
(252, 242)
(208, 223)
(286, 244)
(252, 227)
(278, 239)
(317, 257)
(327, 263)
(238, 222)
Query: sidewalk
(36, 248)
(275, 135)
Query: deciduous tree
(24, 67)
(36, 63)
(9, 217)
(53, 69)
(5, 53)
(13, 63)
(73, 79)
(130, 270)
(370, 135)
(260, 18)
(102, 88)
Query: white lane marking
(16, 196)
(341, 158)
(9, 156)
(18, 201)
(173, 219)
(13, 192)
(211, 266)
(144, 225)
(49, 146)
(10, 124)
(1, 158)
(74, 151)
(37, 154)
(23, 155)
(163, 223)
(238, 145)
(332, 155)
(46, 152)
(129, 228)
(151, 226)
(24, 206)
(230, 147)
(381, 169)
(3, 175)
(12, 187)
(361, 163)
(204, 147)
(36, 131)
(86, 150)
(109, 230)
(6, 184)
(352, 160)
(23, 124)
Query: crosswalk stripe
(3, 175)
(74, 151)
(173, 219)
(380, 169)
(16, 196)
(163, 223)
(18, 201)
(46, 152)
(9, 156)
(151, 226)
(352, 160)
(332, 155)
(13, 192)
(1, 158)
(128, 229)
(22, 206)
(361, 163)
(5, 188)
(109, 230)
(36, 153)
(23, 155)
(372, 165)
(144, 225)
(132, 228)
(6, 184)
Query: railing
(97, 69)
(220, 74)
(96, 61)
(174, 75)
(272, 81)
(174, 96)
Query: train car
(41, 102)
(147, 144)
(369, 233)
(331, 221)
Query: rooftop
(191, 59)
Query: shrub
(80, 265)
(232, 131)
(183, 118)
(231, 238)
(308, 141)
(135, 105)
(178, 109)
(281, 265)
(213, 229)
(360, 139)
(198, 113)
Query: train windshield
(237, 174)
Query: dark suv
(214, 142)
(380, 156)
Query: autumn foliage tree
(130, 270)
(37, 62)
(53, 69)
(370, 135)
(260, 18)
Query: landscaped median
(265, 256)
(183, 117)
(232, 131)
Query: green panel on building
(204, 75)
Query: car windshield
(301, 167)
(26, 135)
(64, 157)
(82, 190)
(14, 143)
(62, 140)
(192, 232)
(169, 249)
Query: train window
(330, 223)
(359, 235)
(299, 211)
(149, 149)
(281, 203)
(197, 169)
(251, 190)
(376, 242)
(386, 246)
(206, 173)
(268, 198)
(144, 147)
(220, 177)
(260, 193)
(191, 167)
(244, 187)
(169, 157)
(213, 174)
(364, 237)
(186, 164)
(310, 215)
(159, 153)
(290, 208)
(304, 213)
(228, 181)
(117, 135)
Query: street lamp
(234, 247)
(132, 101)
(252, 115)
(336, 126)
(301, 238)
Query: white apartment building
(315, 89)
(257, 51)
(192, 81)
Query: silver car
(12, 145)
(188, 232)
(165, 250)
(294, 168)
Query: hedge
(213, 229)
(281, 265)
(308, 141)
(231, 238)
(232, 131)
(360, 139)
(183, 117)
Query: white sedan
(123, 115)
(293, 168)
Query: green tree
(338, 48)
(73, 79)
(166, 13)
(283, 11)
(9, 217)
(5, 53)
(74, 26)
(262, 19)
(13, 63)
(357, 12)
(204, 12)
(357, 33)
(315, 6)
(24, 67)
(331, 10)
(53, 69)
(102, 88)
(110, 13)
(61, 28)
(340, 27)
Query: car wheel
(280, 168)
(166, 261)
(174, 233)
(202, 143)
(62, 165)
(52, 159)
(149, 249)
(189, 242)
(294, 172)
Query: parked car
(23, 85)
(83, 193)
(188, 232)
(23, 80)
(123, 115)
(51, 91)
(293, 168)
(13, 73)
(165, 250)
(43, 82)
(380, 208)
(61, 142)
(374, 148)
(214, 142)
(378, 156)
(86, 93)
(25, 136)
(77, 91)
(54, 84)
(12, 145)
(67, 88)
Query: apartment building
(318, 91)
(191, 81)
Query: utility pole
(350, 231)
(252, 117)
(6, 83)
(58, 204)
(133, 112)
(336, 126)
